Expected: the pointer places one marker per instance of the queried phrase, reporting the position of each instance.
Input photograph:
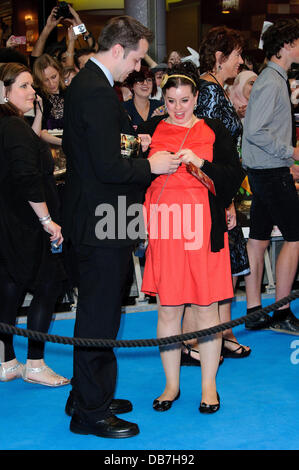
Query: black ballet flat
(188, 360)
(209, 409)
(164, 405)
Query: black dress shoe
(164, 405)
(209, 409)
(111, 427)
(117, 406)
(260, 323)
(289, 324)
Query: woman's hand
(76, 20)
(187, 156)
(70, 34)
(51, 139)
(164, 162)
(231, 216)
(241, 111)
(294, 170)
(159, 111)
(52, 21)
(145, 141)
(55, 232)
(39, 104)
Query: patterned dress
(213, 103)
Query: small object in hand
(56, 248)
(141, 249)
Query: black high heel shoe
(164, 405)
(209, 409)
(188, 360)
(234, 354)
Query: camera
(63, 10)
(80, 29)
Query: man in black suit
(98, 175)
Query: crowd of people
(199, 134)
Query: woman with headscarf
(240, 91)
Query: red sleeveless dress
(180, 266)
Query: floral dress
(213, 103)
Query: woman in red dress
(187, 260)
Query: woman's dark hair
(283, 31)
(123, 30)
(221, 39)
(81, 52)
(140, 76)
(8, 74)
(9, 54)
(190, 75)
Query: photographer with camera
(66, 14)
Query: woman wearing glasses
(141, 107)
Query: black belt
(269, 171)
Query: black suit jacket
(96, 172)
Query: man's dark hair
(123, 30)
(81, 52)
(283, 31)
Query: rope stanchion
(133, 343)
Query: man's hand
(164, 162)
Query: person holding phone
(29, 211)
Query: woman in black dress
(28, 207)
(50, 85)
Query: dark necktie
(294, 136)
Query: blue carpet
(259, 397)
